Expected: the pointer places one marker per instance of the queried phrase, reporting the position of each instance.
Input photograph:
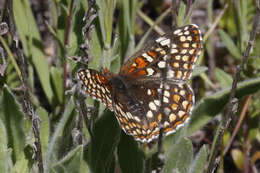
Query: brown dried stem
(66, 40)
(90, 16)
(27, 104)
(80, 96)
(238, 125)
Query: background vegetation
(45, 125)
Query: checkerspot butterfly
(151, 89)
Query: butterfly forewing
(140, 65)
(177, 52)
(97, 86)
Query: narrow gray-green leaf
(223, 78)
(57, 132)
(71, 162)
(115, 65)
(109, 13)
(5, 157)
(57, 83)
(181, 15)
(213, 144)
(44, 129)
(130, 157)
(180, 157)
(21, 165)
(32, 43)
(174, 138)
(210, 106)
(198, 70)
(198, 164)
(125, 34)
(95, 50)
(228, 42)
(106, 134)
(11, 57)
(13, 119)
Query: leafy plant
(44, 127)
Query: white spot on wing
(149, 114)
(147, 57)
(166, 93)
(165, 42)
(137, 119)
(165, 99)
(177, 31)
(152, 106)
(174, 51)
(150, 71)
(161, 64)
(160, 39)
(149, 92)
(157, 102)
(170, 74)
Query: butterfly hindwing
(139, 111)
(97, 86)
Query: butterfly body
(151, 88)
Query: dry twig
(27, 105)
(84, 111)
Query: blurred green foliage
(110, 149)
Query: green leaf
(228, 42)
(32, 43)
(115, 65)
(13, 119)
(44, 129)
(115, 62)
(198, 70)
(106, 134)
(76, 36)
(210, 106)
(71, 162)
(173, 138)
(181, 14)
(213, 145)
(11, 76)
(57, 83)
(5, 156)
(223, 78)
(206, 79)
(108, 13)
(101, 23)
(95, 50)
(198, 164)
(11, 57)
(57, 132)
(238, 158)
(148, 32)
(21, 165)
(126, 34)
(254, 61)
(253, 125)
(180, 157)
(130, 157)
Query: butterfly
(151, 89)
